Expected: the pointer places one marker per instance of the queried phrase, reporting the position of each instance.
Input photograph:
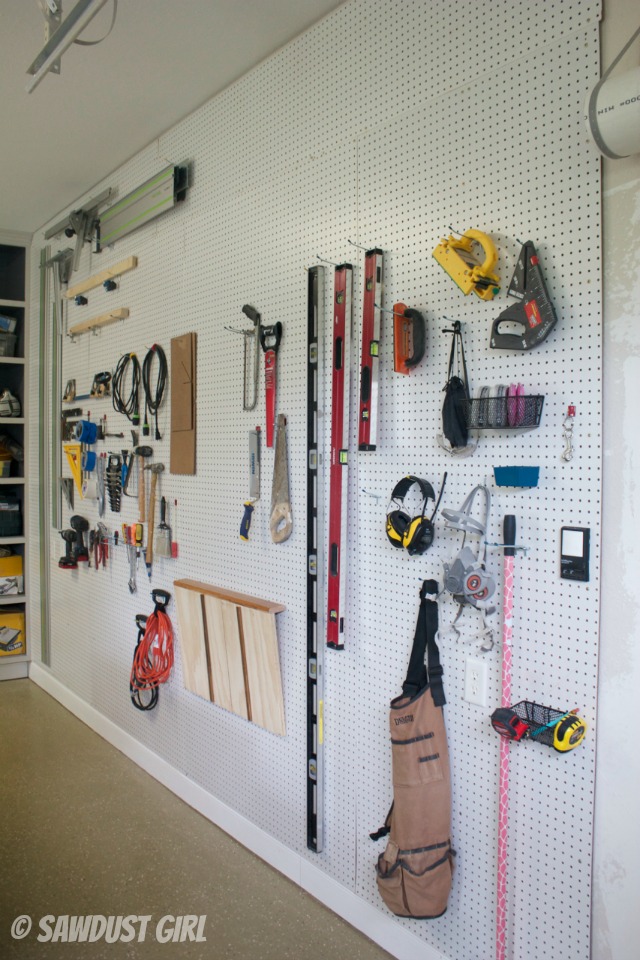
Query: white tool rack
(385, 124)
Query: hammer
(156, 469)
(142, 453)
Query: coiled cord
(153, 656)
(130, 406)
(138, 698)
(153, 400)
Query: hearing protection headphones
(414, 534)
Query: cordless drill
(81, 526)
(68, 562)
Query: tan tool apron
(414, 873)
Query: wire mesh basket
(493, 413)
(541, 720)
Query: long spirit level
(315, 567)
(340, 382)
(369, 357)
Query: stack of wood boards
(229, 650)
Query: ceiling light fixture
(60, 41)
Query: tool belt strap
(419, 673)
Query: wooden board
(119, 313)
(195, 668)
(225, 655)
(98, 278)
(241, 599)
(263, 669)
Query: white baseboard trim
(383, 930)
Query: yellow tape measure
(568, 733)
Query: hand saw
(281, 522)
(270, 338)
(534, 315)
(254, 482)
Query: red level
(342, 321)
(369, 357)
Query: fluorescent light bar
(68, 31)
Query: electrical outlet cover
(476, 681)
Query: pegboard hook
(386, 310)
(322, 260)
(358, 245)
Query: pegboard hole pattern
(385, 124)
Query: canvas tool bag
(414, 872)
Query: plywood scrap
(230, 651)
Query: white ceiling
(163, 59)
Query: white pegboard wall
(384, 124)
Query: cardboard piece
(183, 404)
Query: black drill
(80, 525)
(68, 562)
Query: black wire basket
(503, 413)
(541, 720)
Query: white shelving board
(385, 124)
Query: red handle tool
(270, 338)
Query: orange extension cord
(153, 657)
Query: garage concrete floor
(84, 831)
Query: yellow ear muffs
(414, 534)
(418, 536)
(397, 523)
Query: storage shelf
(14, 303)
(14, 668)
(10, 598)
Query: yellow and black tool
(457, 255)
(568, 733)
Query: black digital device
(574, 553)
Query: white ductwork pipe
(612, 111)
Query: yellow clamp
(456, 255)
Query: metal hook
(456, 231)
(242, 333)
(322, 260)
(457, 326)
(385, 310)
(359, 246)
(376, 496)
(504, 546)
